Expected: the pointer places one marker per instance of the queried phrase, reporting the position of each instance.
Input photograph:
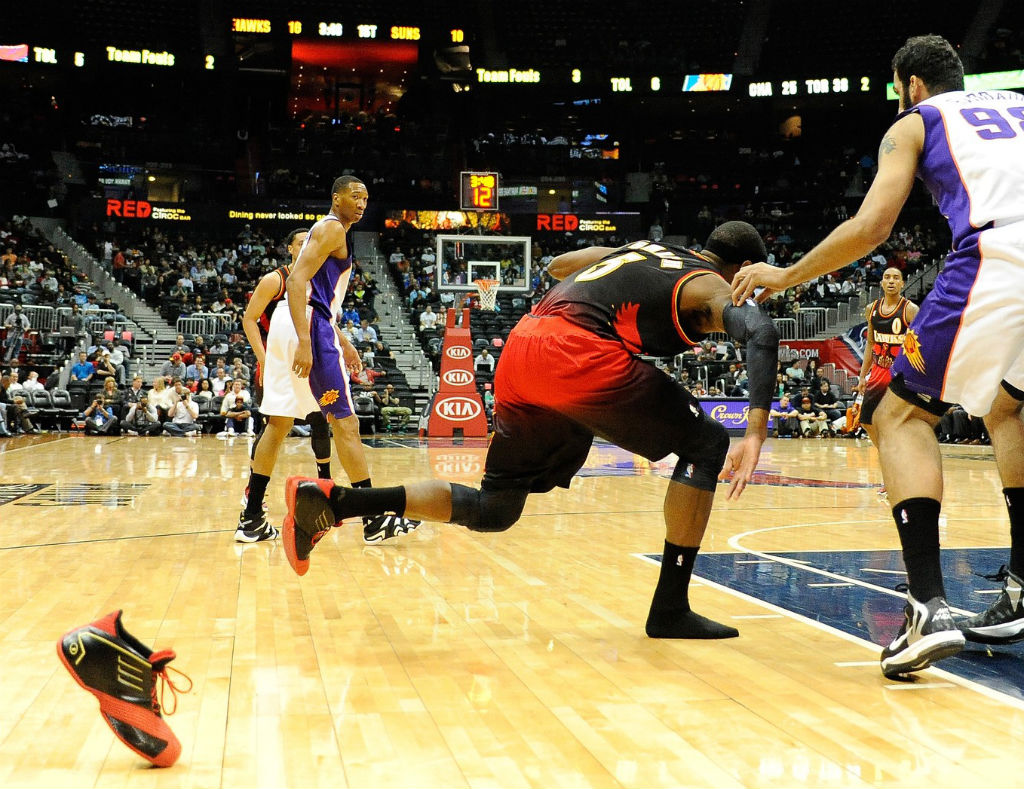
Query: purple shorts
(328, 380)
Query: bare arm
(323, 239)
(898, 156)
(571, 262)
(261, 297)
(912, 310)
(706, 304)
(869, 344)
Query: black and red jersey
(631, 295)
(263, 322)
(889, 331)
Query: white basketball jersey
(973, 159)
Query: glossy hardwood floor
(456, 659)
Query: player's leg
(252, 523)
(320, 443)
(1003, 621)
(349, 446)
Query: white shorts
(284, 393)
(969, 335)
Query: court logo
(458, 409)
(330, 397)
(458, 352)
(458, 378)
(912, 350)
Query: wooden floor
(458, 659)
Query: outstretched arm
(897, 165)
(708, 299)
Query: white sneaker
(230, 431)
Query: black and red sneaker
(310, 516)
(122, 673)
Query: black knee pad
(319, 435)
(702, 456)
(486, 510)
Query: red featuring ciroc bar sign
(457, 404)
(561, 222)
(131, 209)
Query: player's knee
(318, 425)
(486, 510)
(702, 458)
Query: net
(488, 290)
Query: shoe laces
(165, 686)
(999, 575)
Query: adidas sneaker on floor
(1003, 622)
(928, 634)
(379, 528)
(255, 529)
(127, 678)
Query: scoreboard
(478, 192)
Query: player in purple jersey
(966, 344)
(316, 287)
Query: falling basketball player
(967, 343)
(888, 319)
(587, 334)
(320, 353)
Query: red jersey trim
(675, 301)
(283, 271)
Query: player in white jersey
(966, 344)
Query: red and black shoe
(310, 516)
(122, 673)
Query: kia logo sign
(459, 352)
(458, 409)
(458, 378)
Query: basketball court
(516, 659)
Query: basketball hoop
(488, 291)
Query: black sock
(323, 470)
(1015, 507)
(257, 490)
(670, 615)
(917, 521)
(362, 499)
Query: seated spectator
(428, 319)
(484, 361)
(83, 370)
(786, 418)
(173, 368)
(220, 382)
(163, 398)
(32, 383)
(795, 372)
(198, 370)
(237, 417)
(113, 397)
(118, 360)
(183, 419)
(205, 391)
(104, 369)
(826, 400)
(365, 333)
(239, 370)
(100, 419)
(392, 405)
(812, 421)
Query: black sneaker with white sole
(1003, 622)
(378, 528)
(928, 634)
(255, 529)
